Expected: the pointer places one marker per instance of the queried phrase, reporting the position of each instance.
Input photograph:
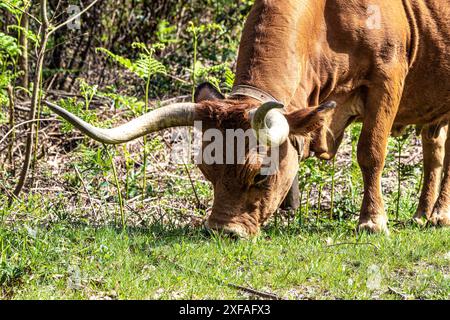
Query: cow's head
(248, 189)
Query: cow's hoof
(440, 218)
(420, 218)
(419, 221)
(371, 225)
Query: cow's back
(415, 31)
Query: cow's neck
(278, 40)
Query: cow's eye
(260, 179)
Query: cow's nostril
(318, 149)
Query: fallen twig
(404, 296)
(354, 243)
(261, 294)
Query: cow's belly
(421, 114)
(426, 95)
(426, 101)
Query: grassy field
(69, 237)
(324, 261)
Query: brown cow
(299, 54)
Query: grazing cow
(298, 54)
(244, 196)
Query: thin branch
(199, 203)
(56, 9)
(10, 194)
(54, 29)
(23, 123)
(191, 181)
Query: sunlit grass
(328, 261)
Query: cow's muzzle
(233, 230)
(325, 156)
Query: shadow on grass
(312, 226)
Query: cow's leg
(433, 160)
(380, 109)
(292, 200)
(441, 212)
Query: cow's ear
(305, 121)
(206, 91)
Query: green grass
(324, 261)
(64, 240)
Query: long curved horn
(269, 124)
(174, 115)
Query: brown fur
(243, 200)
(304, 121)
(225, 114)
(304, 52)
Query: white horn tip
(274, 130)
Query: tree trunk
(12, 102)
(35, 100)
(23, 59)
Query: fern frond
(116, 58)
(144, 67)
(13, 6)
(29, 34)
(8, 47)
